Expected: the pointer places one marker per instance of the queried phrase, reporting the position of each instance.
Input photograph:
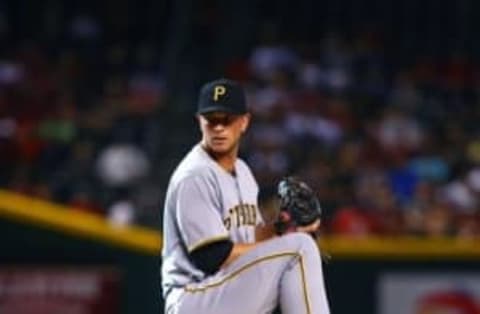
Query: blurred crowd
(390, 148)
(81, 122)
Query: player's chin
(220, 147)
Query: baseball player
(218, 255)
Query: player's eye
(224, 120)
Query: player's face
(222, 131)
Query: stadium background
(375, 103)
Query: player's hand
(312, 228)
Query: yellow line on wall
(401, 248)
(70, 221)
(64, 219)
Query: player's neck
(225, 160)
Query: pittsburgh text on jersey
(241, 215)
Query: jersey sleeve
(198, 213)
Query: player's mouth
(219, 140)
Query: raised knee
(304, 242)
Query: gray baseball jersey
(205, 203)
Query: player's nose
(218, 127)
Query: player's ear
(246, 121)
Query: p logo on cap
(222, 95)
(218, 91)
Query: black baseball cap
(222, 95)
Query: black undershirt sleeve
(210, 257)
